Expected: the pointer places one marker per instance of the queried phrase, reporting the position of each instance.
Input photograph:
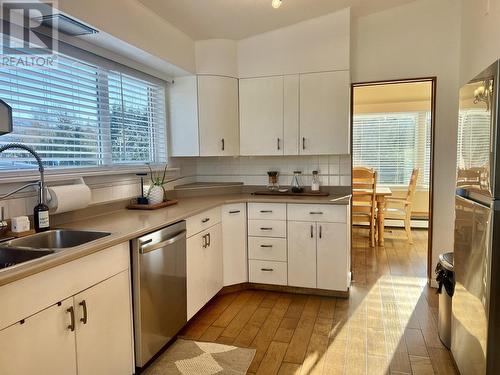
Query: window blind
(83, 115)
(473, 143)
(393, 144)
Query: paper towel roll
(66, 198)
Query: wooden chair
(364, 186)
(400, 208)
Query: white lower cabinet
(204, 268)
(40, 344)
(318, 255)
(302, 254)
(333, 256)
(234, 243)
(103, 327)
(89, 333)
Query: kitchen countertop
(125, 225)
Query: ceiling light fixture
(276, 3)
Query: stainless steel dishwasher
(159, 289)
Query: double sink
(32, 247)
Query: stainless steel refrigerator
(476, 302)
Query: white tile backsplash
(334, 170)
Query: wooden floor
(387, 326)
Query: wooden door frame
(433, 81)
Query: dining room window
(393, 144)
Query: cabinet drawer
(267, 248)
(267, 272)
(197, 223)
(267, 211)
(267, 228)
(317, 212)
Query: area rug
(188, 357)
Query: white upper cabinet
(218, 116)
(204, 116)
(324, 113)
(184, 134)
(261, 116)
(291, 115)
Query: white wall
(419, 39)
(133, 23)
(217, 56)
(480, 36)
(319, 44)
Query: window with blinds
(83, 115)
(393, 144)
(473, 143)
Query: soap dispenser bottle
(41, 212)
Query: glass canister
(315, 182)
(296, 182)
(273, 180)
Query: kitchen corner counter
(125, 225)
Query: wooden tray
(290, 193)
(134, 206)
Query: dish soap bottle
(315, 182)
(41, 213)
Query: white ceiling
(238, 19)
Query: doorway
(392, 135)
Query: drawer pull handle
(266, 228)
(83, 304)
(235, 212)
(267, 269)
(266, 211)
(266, 245)
(316, 213)
(71, 312)
(205, 220)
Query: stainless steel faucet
(40, 183)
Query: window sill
(9, 177)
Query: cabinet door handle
(71, 312)
(266, 228)
(316, 213)
(312, 232)
(204, 241)
(267, 269)
(266, 245)
(209, 239)
(279, 148)
(83, 304)
(320, 231)
(235, 212)
(266, 211)
(223, 146)
(205, 220)
(303, 143)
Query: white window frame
(22, 175)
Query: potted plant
(156, 191)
